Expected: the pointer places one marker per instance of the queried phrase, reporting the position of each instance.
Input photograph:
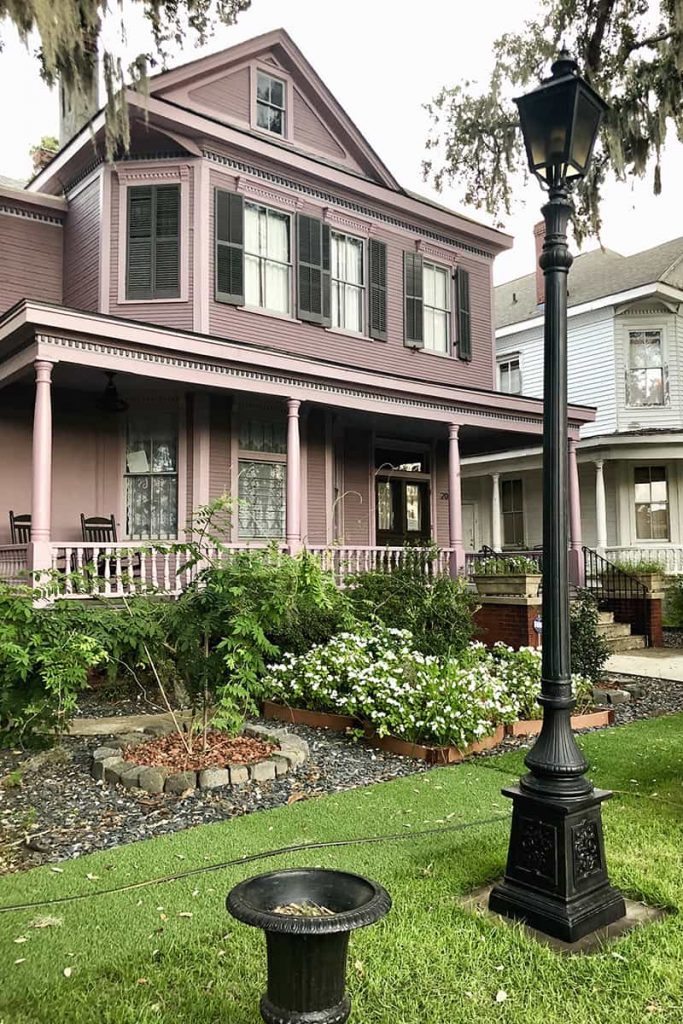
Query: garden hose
(249, 858)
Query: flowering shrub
(381, 679)
(501, 565)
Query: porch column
(293, 513)
(576, 541)
(496, 535)
(41, 493)
(455, 502)
(600, 507)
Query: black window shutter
(313, 270)
(229, 257)
(167, 242)
(377, 253)
(139, 250)
(464, 326)
(413, 334)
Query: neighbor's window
(437, 307)
(512, 507)
(645, 384)
(509, 376)
(153, 251)
(262, 476)
(270, 103)
(348, 282)
(267, 269)
(151, 478)
(652, 503)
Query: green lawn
(135, 960)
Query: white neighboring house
(625, 357)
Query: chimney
(539, 234)
(78, 104)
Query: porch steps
(618, 634)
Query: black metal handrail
(617, 591)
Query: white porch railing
(82, 571)
(14, 563)
(670, 555)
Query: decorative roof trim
(255, 190)
(435, 252)
(182, 173)
(339, 219)
(12, 211)
(337, 201)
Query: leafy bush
(589, 649)
(673, 603)
(640, 565)
(44, 663)
(436, 609)
(513, 565)
(379, 677)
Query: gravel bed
(52, 810)
(673, 636)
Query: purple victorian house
(248, 304)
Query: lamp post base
(556, 876)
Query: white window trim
(264, 310)
(510, 547)
(282, 76)
(636, 328)
(131, 178)
(509, 357)
(650, 541)
(364, 287)
(449, 319)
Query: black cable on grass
(248, 858)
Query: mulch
(217, 750)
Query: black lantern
(556, 875)
(560, 122)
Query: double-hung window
(262, 479)
(267, 259)
(348, 282)
(645, 380)
(509, 376)
(436, 308)
(652, 503)
(512, 507)
(270, 103)
(153, 251)
(151, 478)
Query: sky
(383, 61)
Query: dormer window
(270, 103)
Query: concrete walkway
(653, 662)
(122, 723)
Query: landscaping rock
(102, 753)
(239, 774)
(160, 729)
(619, 696)
(600, 696)
(281, 764)
(132, 739)
(128, 777)
(294, 749)
(262, 771)
(152, 779)
(112, 766)
(637, 690)
(214, 778)
(262, 732)
(180, 781)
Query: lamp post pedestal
(556, 877)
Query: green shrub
(673, 603)
(640, 565)
(436, 609)
(589, 649)
(504, 565)
(44, 663)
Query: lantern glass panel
(546, 117)
(586, 124)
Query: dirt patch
(218, 751)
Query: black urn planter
(307, 955)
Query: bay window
(267, 266)
(151, 478)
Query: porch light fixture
(110, 401)
(556, 876)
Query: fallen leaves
(45, 922)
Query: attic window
(270, 103)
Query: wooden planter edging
(591, 720)
(315, 719)
(434, 755)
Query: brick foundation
(508, 620)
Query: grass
(139, 958)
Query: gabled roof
(594, 275)
(218, 84)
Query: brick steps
(618, 634)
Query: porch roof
(34, 330)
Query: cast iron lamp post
(556, 876)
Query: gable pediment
(223, 87)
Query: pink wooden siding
(356, 487)
(316, 482)
(167, 314)
(392, 356)
(228, 96)
(31, 260)
(309, 130)
(219, 449)
(82, 249)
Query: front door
(402, 515)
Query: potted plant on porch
(507, 576)
(649, 572)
